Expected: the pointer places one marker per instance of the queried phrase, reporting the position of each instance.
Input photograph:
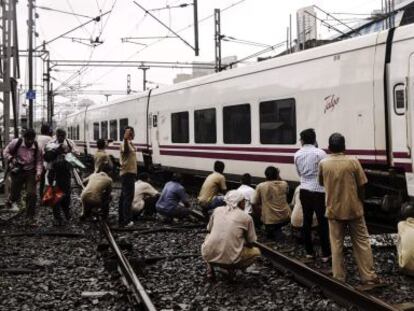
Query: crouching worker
(145, 197)
(231, 232)
(173, 201)
(97, 194)
(271, 200)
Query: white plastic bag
(296, 219)
(405, 246)
(69, 157)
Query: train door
(410, 128)
(154, 136)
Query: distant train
(250, 117)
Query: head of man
(219, 167)
(100, 144)
(29, 137)
(129, 133)
(45, 129)
(337, 143)
(143, 176)
(308, 137)
(234, 199)
(105, 168)
(176, 177)
(246, 179)
(60, 135)
(272, 173)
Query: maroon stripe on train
(246, 157)
(401, 155)
(259, 149)
(230, 156)
(117, 148)
(406, 166)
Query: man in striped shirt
(312, 195)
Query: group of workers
(32, 160)
(331, 188)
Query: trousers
(61, 175)
(18, 181)
(127, 196)
(360, 246)
(314, 202)
(247, 257)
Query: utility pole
(30, 69)
(196, 47)
(217, 39)
(144, 76)
(7, 53)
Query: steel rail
(130, 279)
(132, 282)
(338, 291)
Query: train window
(180, 127)
(278, 122)
(399, 98)
(77, 132)
(205, 126)
(68, 132)
(104, 130)
(113, 129)
(122, 124)
(96, 131)
(237, 124)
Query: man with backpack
(25, 168)
(59, 172)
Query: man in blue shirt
(173, 201)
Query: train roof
(278, 62)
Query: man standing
(211, 193)
(344, 180)
(60, 172)
(312, 195)
(25, 167)
(128, 173)
(43, 139)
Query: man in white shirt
(248, 192)
(145, 196)
(312, 195)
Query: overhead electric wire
(63, 12)
(77, 18)
(178, 31)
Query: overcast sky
(262, 21)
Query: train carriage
(250, 117)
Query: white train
(250, 117)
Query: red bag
(52, 196)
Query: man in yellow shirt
(344, 180)
(97, 194)
(128, 174)
(213, 188)
(271, 199)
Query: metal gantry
(9, 66)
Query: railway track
(338, 291)
(139, 297)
